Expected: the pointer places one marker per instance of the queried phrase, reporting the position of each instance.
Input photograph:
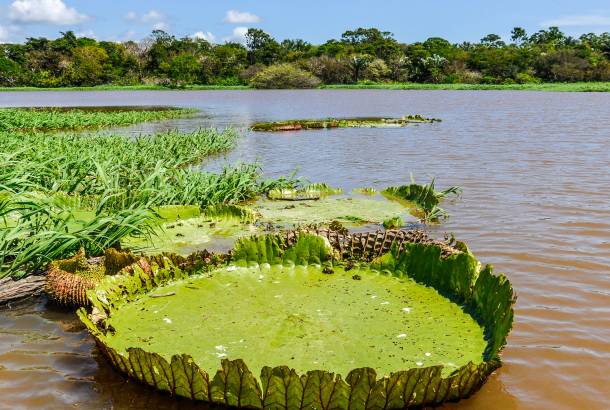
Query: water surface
(535, 168)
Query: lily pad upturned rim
(487, 297)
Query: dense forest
(361, 55)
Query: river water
(535, 168)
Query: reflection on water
(535, 171)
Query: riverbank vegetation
(61, 192)
(366, 55)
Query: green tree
(184, 69)
(262, 48)
(9, 72)
(88, 66)
(493, 40)
(518, 35)
(358, 64)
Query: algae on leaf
(349, 211)
(216, 227)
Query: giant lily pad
(351, 211)
(186, 229)
(308, 321)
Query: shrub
(284, 76)
(526, 78)
(247, 74)
(377, 70)
(330, 70)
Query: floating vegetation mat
(63, 118)
(366, 122)
(300, 321)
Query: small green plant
(425, 197)
(393, 223)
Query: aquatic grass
(393, 223)
(115, 166)
(425, 197)
(35, 231)
(55, 118)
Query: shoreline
(548, 87)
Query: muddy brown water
(535, 168)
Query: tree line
(360, 55)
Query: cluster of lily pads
(278, 322)
(187, 229)
(365, 122)
(257, 297)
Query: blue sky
(312, 20)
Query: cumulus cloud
(44, 11)
(155, 18)
(241, 17)
(152, 15)
(161, 25)
(590, 20)
(207, 36)
(238, 35)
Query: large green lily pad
(300, 323)
(304, 318)
(185, 229)
(351, 211)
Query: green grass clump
(35, 231)
(47, 119)
(393, 223)
(425, 197)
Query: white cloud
(578, 21)
(86, 33)
(161, 25)
(241, 17)
(131, 16)
(156, 18)
(44, 11)
(152, 15)
(207, 36)
(3, 34)
(238, 35)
